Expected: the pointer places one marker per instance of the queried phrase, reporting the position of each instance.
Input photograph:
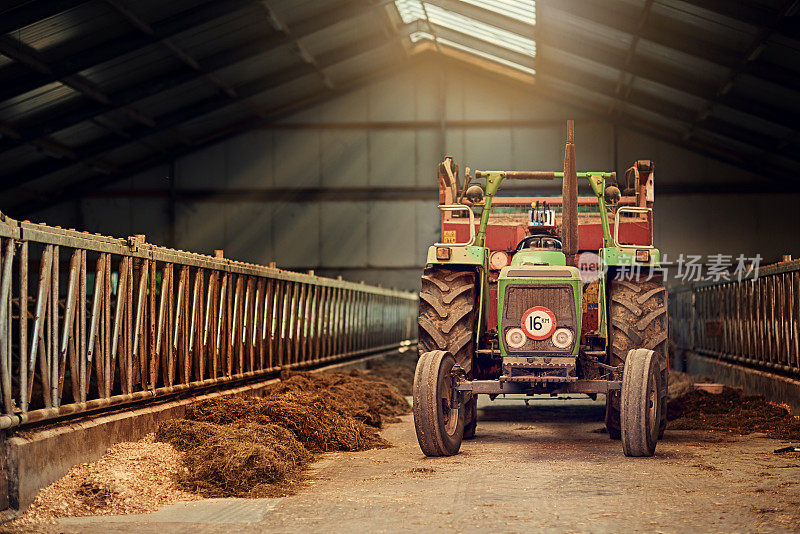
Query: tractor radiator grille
(558, 298)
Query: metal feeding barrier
(114, 321)
(753, 322)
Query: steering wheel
(539, 241)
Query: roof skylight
(435, 16)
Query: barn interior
(295, 148)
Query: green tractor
(543, 295)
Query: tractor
(543, 295)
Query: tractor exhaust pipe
(569, 220)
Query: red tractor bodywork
(504, 232)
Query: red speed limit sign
(538, 323)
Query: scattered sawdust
(131, 477)
(731, 411)
(234, 446)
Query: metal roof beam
(622, 92)
(661, 74)
(770, 171)
(743, 65)
(35, 61)
(116, 47)
(175, 118)
(77, 190)
(684, 42)
(29, 13)
(665, 108)
(750, 13)
(179, 53)
(58, 119)
(298, 47)
(765, 169)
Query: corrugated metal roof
(120, 84)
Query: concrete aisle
(542, 468)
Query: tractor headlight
(562, 338)
(498, 260)
(515, 338)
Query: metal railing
(111, 321)
(753, 322)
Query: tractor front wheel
(640, 403)
(637, 318)
(438, 417)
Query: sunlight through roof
(435, 16)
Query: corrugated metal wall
(384, 241)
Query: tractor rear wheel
(438, 420)
(447, 321)
(640, 403)
(637, 318)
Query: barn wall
(384, 241)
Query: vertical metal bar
(37, 348)
(162, 311)
(255, 331)
(95, 328)
(129, 328)
(257, 337)
(168, 365)
(220, 345)
(247, 325)
(282, 326)
(266, 326)
(186, 368)
(320, 318)
(196, 305)
(297, 297)
(109, 370)
(233, 340)
(302, 307)
(69, 316)
(5, 325)
(153, 353)
(82, 366)
(208, 332)
(138, 329)
(277, 330)
(229, 326)
(52, 338)
(119, 315)
(23, 326)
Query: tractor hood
(535, 257)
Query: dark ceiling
(92, 91)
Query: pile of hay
(731, 411)
(397, 370)
(236, 460)
(256, 446)
(316, 421)
(361, 395)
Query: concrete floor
(542, 468)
